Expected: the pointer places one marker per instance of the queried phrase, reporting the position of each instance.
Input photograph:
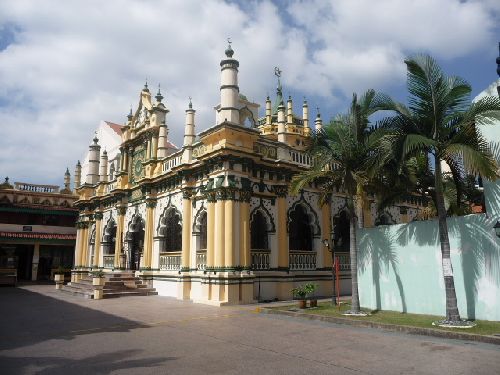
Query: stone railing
(110, 186)
(344, 261)
(171, 162)
(300, 260)
(170, 261)
(201, 260)
(300, 158)
(108, 261)
(260, 259)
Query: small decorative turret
(159, 96)
(289, 110)
(78, 175)
(6, 184)
(305, 113)
(104, 167)
(318, 123)
(229, 90)
(146, 89)
(162, 141)
(93, 171)
(112, 171)
(281, 122)
(67, 181)
(268, 111)
(130, 115)
(189, 134)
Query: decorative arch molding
(313, 216)
(271, 227)
(197, 219)
(163, 217)
(135, 225)
(107, 230)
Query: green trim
(34, 240)
(38, 211)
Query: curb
(390, 327)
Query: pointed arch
(303, 226)
(109, 237)
(200, 228)
(313, 220)
(247, 116)
(169, 230)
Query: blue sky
(67, 65)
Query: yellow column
(119, 235)
(186, 230)
(76, 260)
(326, 230)
(210, 231)
(97, 245)
(228, 233)
(148, 233)
(85, 245)
(245, 258)
(219, 248)
(282, 234)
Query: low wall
(400, 267)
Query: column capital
(187, 193)
(151, 203)
(280, 190)
(245, 196)
(121, 211)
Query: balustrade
(171, 162)
(170, 261)
(201, 260)
(260, 259)
(344, 261)
(302, 260)
(108, 261)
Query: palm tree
(344, 154)
(441, 122)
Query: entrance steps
(116, 285)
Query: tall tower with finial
(92, 177)
(229, 90)
(78, 175)
(67, 181)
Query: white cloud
(72, 64)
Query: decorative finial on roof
(146, 86)
(305, 101)
(105, 153)
(130, 115)
(190, 103)
(78, 163)
(159, 96)
(67, 171)
(318, 115)
(95, 138)
(229, 50)
(6, 184)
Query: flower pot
(302, 303)
(313, 303)
(59, 280)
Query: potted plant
(310, 289)
(300, 292)
(59, 277)
(97, 277)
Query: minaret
(162, 141)
(67, 180)
(268, 111)
(78, 175)
(318, 123)
(189, 134)
(93, 171)
(305, 114)
(281, 122)
(229, 90)
(104, 167)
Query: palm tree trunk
(353, 249)
(452, 314)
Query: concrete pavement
(43, 331)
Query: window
(300, 232)
(258, 232)
(170, 231)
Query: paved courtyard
(43, 331)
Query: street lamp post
(330, 249)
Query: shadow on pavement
(103, 363)
(29, 318)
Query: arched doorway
(135, 242)
(170, 231)
(341, 232)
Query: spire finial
(159, 96)
(130, 114)
(317, 109)
(229, 51)
(95, 137)
(67, 171)
(190, 103)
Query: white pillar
(78, 175)
(229, 90)
(281, 123)
(104, 167)
(318, 123)
(305, 114)
(162, 141)
(34, 264)
(93, 171)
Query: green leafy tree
(345, 153)
(441, 122)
